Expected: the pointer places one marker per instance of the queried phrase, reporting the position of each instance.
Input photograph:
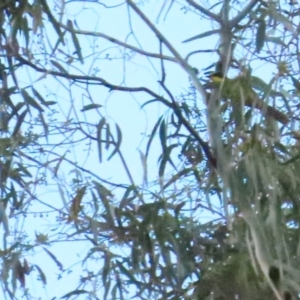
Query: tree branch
(117, 42)
(96, 80)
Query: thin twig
(117, 42)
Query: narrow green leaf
(162, 100)
(275, 40)
(52, 20)
(144, 166)
(25, 29)
(260, 35)
(21, 168)
(60, 160)
(106, 269)
(99, 137)
(45, 125)
(296, 83)
(42, 274)
(107, 136)
(135, 255)
(19, 122)
(178, 176)
(37, 19)
(74, 293)
(152, 135)
(38, 96)
(30, 101)
(114, 292)
(120, 288)
(202, 35)
(58, 66)
(75, 40)
(163, 135)
(48, 103)
(91, 106)
(95, 202)
(3, 218)
(126, 199)
(104, 195)
(166, 157)
(127, 272)
(16, 204)
(259, 84)
(105, 276)
(162, 167)
(283, 20)
(58, 263)
(118, 142)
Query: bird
(240, 89)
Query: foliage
(229, 150)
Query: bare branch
(117, 42)
(198, 51)
(90, 79)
